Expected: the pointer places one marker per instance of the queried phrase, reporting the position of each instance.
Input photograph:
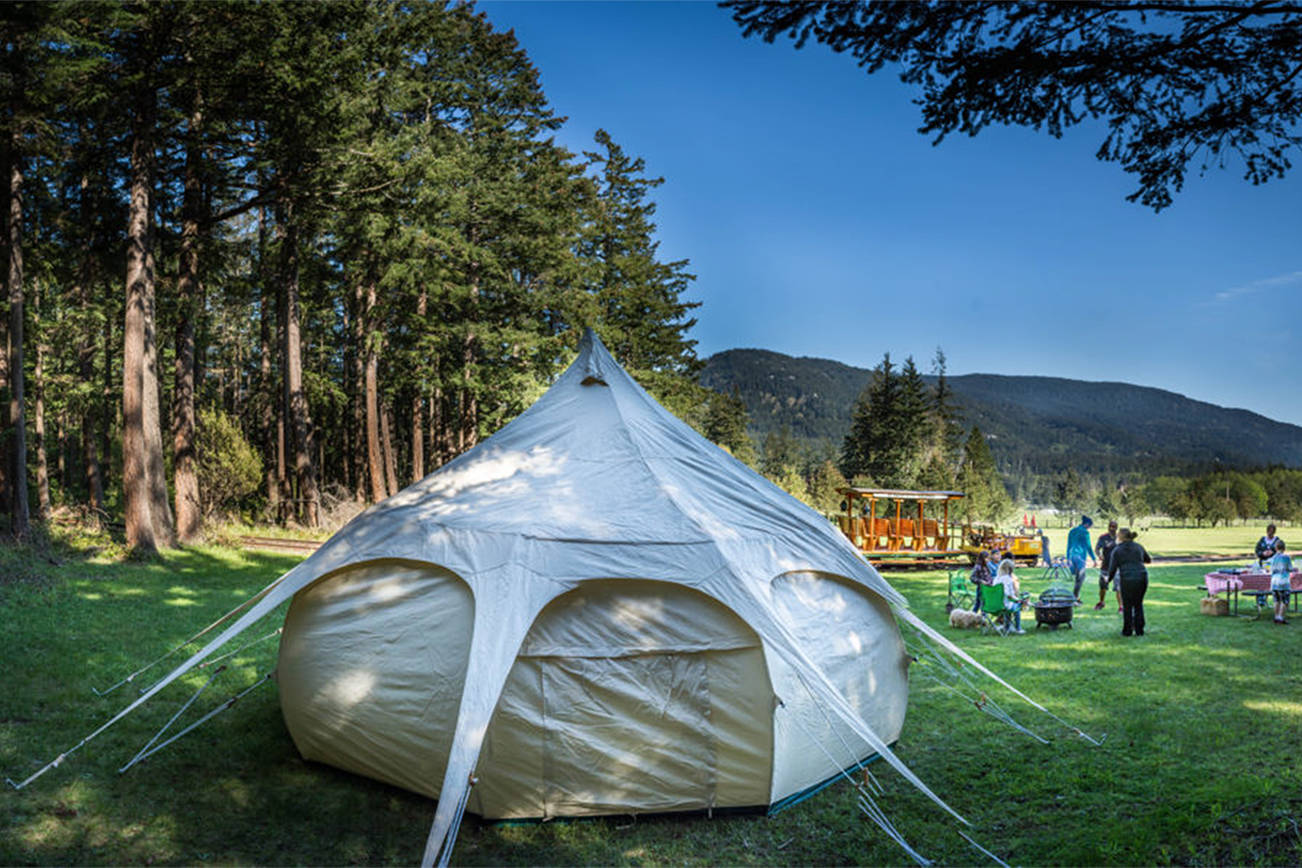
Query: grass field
(1199, 765)
(1161, 541)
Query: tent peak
(593, 354)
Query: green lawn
(1202, 718)
(1236, 540)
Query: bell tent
(594, 611)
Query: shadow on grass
(1191, 771)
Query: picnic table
(1249, 582)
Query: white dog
(964, 619)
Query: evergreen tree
(639, 303)
(914, 428)
(725, 424)
(986, 500)
(949, 430)
(825, 486)
(780, 452)
(889, 428)
(1069, 493)
(345, 219)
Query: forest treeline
(907, 431)
(1039, 429)
(287, 255)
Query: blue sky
(820, 223)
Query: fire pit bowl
(1054, 608)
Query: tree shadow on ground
(1191, 771)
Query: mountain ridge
(1033, 422)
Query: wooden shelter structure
(895, 523)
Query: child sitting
(1012, 595)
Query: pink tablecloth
(1217, 582)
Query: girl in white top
(1012, 593)
(1281, 569)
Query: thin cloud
(1292, 277)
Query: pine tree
(643, 316)
(886, 442)
(978, 478)
(914, 425)
(781, 451)
(949, 431)
(825, 486)
(725, 424)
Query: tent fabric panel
(741, 716)
(850, 634)
(627, 735)
(804, 734)
(625, 617)
(606, 721)
(662, 723)
(371, 670)
(510, 768)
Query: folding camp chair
(997, 617)
(960, 595)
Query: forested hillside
(1035, 425)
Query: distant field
(1187, 541)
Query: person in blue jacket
(1079, 550)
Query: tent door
(627, 734)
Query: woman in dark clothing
(1128, 560)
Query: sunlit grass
(1194, 769)
(1236, 540)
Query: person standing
(979, 576)
(1012, 596)
(1127, 562)
(1266, 546)
(1078, 550)
(1281, 569)
(1102, 549)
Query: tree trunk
(374, 459)
(390, 464)
(300, 419)
(266, 380)
(112, 411)
(268, 399)
(417, 438)
(5, 423)
(469, 433)
(418, 403)
(136, 329)
(38, 411)
(20, 517)
(436, 435)
(449, 435)
(357, 431)
(61, 450)
(160, 506)
(86, 355)
(189, 515)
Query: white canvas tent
(594, 611)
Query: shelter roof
(902, 494)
